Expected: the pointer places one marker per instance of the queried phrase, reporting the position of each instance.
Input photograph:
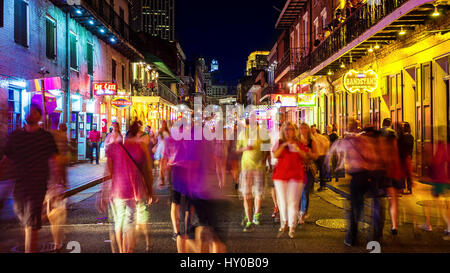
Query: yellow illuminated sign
(306, 100)
(358, 81)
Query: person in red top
(288, 177)
(94, 138)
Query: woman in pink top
(288, 177)
(131, 188)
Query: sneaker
(257, 218)
(175, 235)
(244, 221)
(249, 227)
(301, 218)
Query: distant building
(156, 17)
(214, 66)
(257, 60)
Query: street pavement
(323, 231)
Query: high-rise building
(214, 65)
(257, 60)
(156, 17)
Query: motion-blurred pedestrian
(310, 167)
(130, 191)
(29, 150)
(289, 178)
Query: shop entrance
(424, 129)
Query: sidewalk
(410, 205)
(83, 179)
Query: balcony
(162, 91)
(369, 25)
(290, 59)
(98, 17)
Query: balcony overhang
(290, 13)
(90, 20)
(407, 17)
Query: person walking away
(252, 176)
(440, 181)
(310, 168)
(406, 147)
(163, 134)
(394, 175)
(360, 157)
(94, 139)
(332, 137)
(289, 178)
(29, 150)
(113, 137)
(130, 191)
(220, 158)
(234, 159)
(54, 200)
(323, 145)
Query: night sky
(226, 30)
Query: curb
(338, 191)
(86, 186)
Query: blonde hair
(286, 125)
(308, 134)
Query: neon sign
(306, 100)
(121, 103)
(287, 100)
(358, 81)
(103, 89)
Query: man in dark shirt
(29, 150)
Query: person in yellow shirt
(251, 184)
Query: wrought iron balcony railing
(290, 58)
(105, 12)
(161, 90)
(354, 26)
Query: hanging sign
(121, 103)
(358, 81)
(286, 100)
(104, 88)
(306, 99)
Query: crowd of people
(195, 172)
(338, 19)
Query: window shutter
(90, 61)
(73, 51)
(50, 29)
(20, 22)
(1, 12)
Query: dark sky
(226, 30)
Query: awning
(53, 83)
(162, 67)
